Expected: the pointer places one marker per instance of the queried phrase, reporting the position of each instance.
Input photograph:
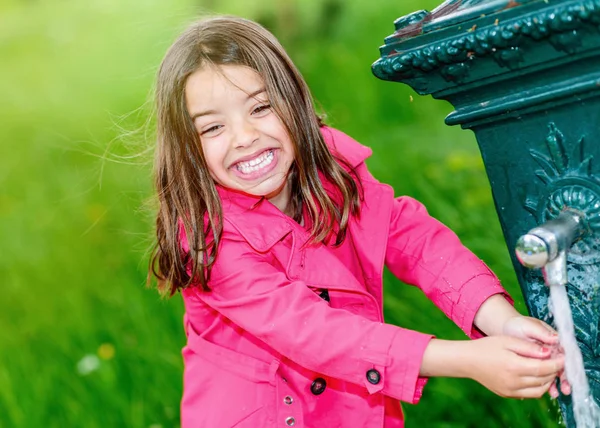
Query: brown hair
(186, 192)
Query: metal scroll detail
(561, 26)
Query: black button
(318, 386)
(373, 376)
(324, 294)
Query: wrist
(447, 358)
(507, 322)
(493, 315)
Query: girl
(276, 234)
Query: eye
(213, 130)
(261, 109)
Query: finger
(565, 386)
(534, 392)
(539, 368)
(551, 366)
(558, 350)
(541, 332)
(553, 391)
(535, 381)
(528, 349)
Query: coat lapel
(259, 222)
(319, 267)
(263, 226)
(370, 234)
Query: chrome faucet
(546, 246)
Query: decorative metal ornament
(525, 77)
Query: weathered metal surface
(525, 77)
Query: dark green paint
(525, 77)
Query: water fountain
(525, 77)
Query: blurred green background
(82, 341)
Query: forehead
(214, 83)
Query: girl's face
(245, 144)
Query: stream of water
(585, 409)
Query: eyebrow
(207, 112)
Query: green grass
(75, 225)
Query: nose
(246, 134)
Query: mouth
(256, 166)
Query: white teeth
(256, 164)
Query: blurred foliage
(82, 342)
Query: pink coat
(268, 347)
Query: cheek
(213, 156)
(290, 152)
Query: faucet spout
(546, 246)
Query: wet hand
(513, 367)
(538, 331)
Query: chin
(265, 192)
(268, 188)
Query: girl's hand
(512, 367)
(507, 366)
(531, 329)
(538, 331)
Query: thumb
(540, 331)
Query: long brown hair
(186, 192)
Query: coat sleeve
(423, 252)
(248, 289)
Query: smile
(256, 164)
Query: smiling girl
(276, 235)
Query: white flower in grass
(88, 364)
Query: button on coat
(373, 376)
(318, 386)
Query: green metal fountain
(525, 77)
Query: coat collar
(261, 223)
(341, 145)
